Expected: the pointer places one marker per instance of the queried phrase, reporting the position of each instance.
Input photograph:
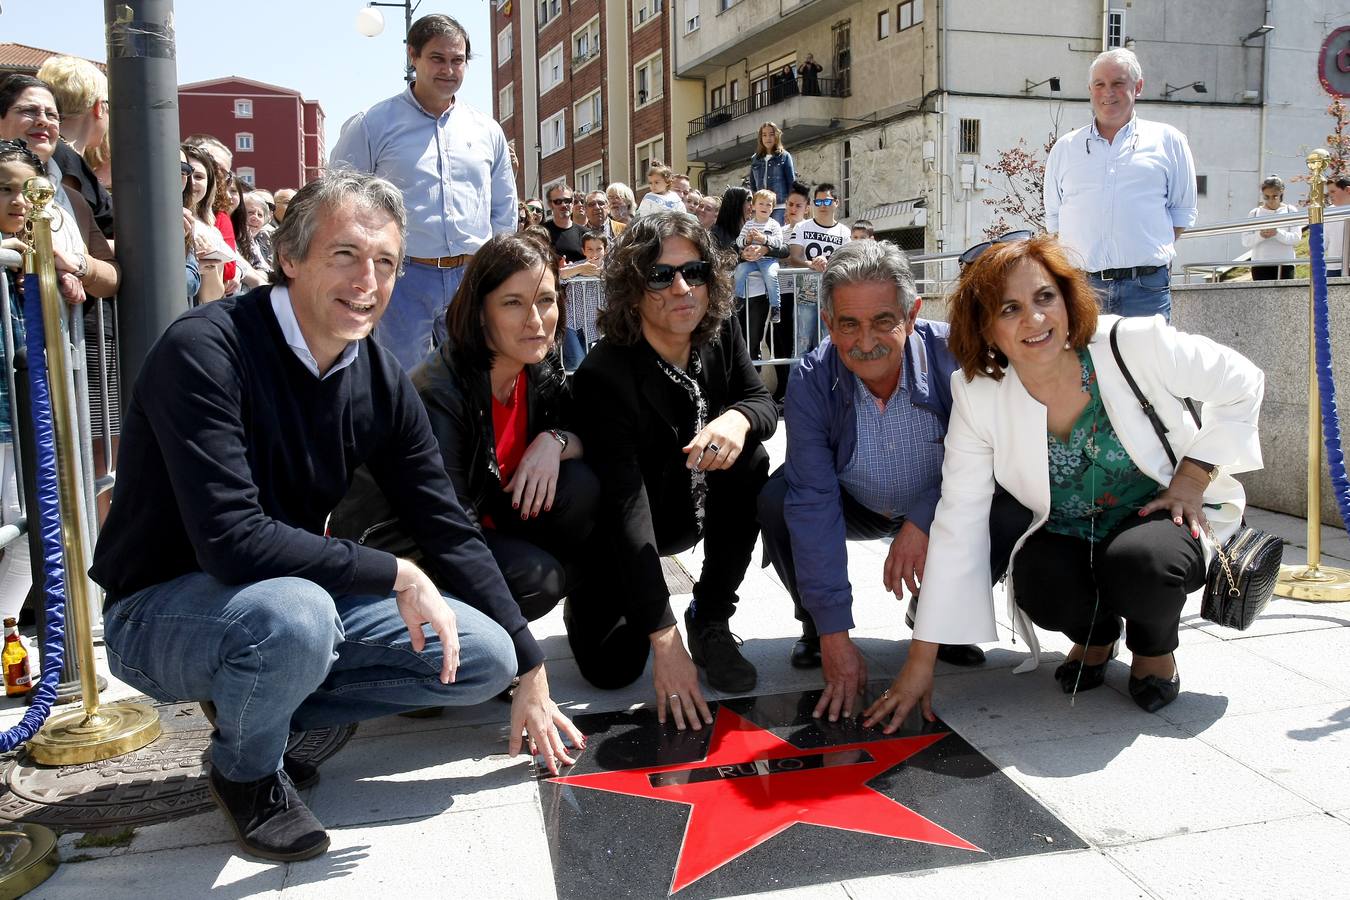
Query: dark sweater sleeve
(199, 429)
(410, 471)
(746, 392)
(453, 432)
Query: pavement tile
(1128, 786)
(1023, 878)
(1304, 750)
(1297, 857)
(1320, 655)
(215, 871)
(833, 891)
(489, 854)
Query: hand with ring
(719, 444)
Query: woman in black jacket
(673, 414)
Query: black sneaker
(717, 652)
(269, 818)
(302, 774)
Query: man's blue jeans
(284, 655)
(1146, 295)
(414, 321)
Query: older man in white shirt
(1120, 190)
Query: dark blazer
(633, 420)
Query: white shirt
(1333, 243)
(1115, 203)
(295, 339)
(1272, 249)
(819, 240)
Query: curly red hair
(975, 301)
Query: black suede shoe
(269, 818)
(302, 774)
(1152, 693)
(806, 653)
(960, 654)
(717, 652)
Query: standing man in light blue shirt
(453, 166)
(1120, 191)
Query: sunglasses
(534, 209)
(973, 253)
(694, 273)
(561, 201)
(824, 201)
(186, 169)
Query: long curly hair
(632, 257)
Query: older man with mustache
(866, 415)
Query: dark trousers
(756, 326)
(1141, 572)
(607, 633)
(1008, 519)
(1272, 273)
(538, 556)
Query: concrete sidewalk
(1241, 788)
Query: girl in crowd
(771, 168)
(213, 254)
(1272, 246)
(660, 197)
(1118, 531)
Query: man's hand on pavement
(845, 673)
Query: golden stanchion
(94, 732)
(28, 857)
(1314, 581)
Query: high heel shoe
(1069, 677)
(1152, 693)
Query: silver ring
(714, 448)
(674, 696)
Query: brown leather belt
(443, 262)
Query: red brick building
(276, 135)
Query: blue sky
(309, 45)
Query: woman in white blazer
(1041, 407)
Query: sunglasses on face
(186, 169)
(824, 201)
(973, 253)
(561, 201)
(695, 273)
(534, 209)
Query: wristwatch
(1210, 469)
(559, 436)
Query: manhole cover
(157, 783)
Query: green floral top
(1094, 485)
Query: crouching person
(244, 428)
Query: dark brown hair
(501, 257)
(974, 303)
(434, 26)
(634, 253)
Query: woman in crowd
(1272, 248)
(660, 196)
(771, 168)
(81, 93)
(708, 208)
(621, 206)
(1118, 532)
(257, 215)
(732, 212)
(213, 254)
(534, 213)
(673, 415)
(731, 217)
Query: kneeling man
(866, 414)
(243, 431)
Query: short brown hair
(974, 303)
(501, 257)
(437, 25)
(635, 252)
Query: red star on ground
(731, 815)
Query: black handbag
(1242, 575)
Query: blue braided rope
(49, 519)
(1326, 382)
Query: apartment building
(585, 93)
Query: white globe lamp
(369, 21)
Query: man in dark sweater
(244, 428)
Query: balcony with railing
(730, 31)
(803, 109)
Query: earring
(989, 366)
(1068, 346)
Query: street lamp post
(370, 22)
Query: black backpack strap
(1158, 427)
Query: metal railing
(777, 93)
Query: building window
(647, 86)
(645, 11)
(908, 14)
(586, 43)
(551, 69)
(243, 109)
(718, 98)
(970, 136)
(243, 142)
(846, 182)
(247, 176)
(884, 24)
(548, 11)
(735, 90)
(728, 4)
(553, 133)
(654, 149)
(1115, 28)
(506, 44)
(759, 89)
(586, 113)
(506, 102)
(1202, 185)
(589, 179)
(690, 16)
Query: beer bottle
(18, 677)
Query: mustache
(880, 351)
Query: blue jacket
(775, 172)
(822, 434)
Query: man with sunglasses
(1119, 192)
(816, 238)
(567, 238)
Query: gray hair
(1120, 56)
(624, 192)
(327, 195)
(868, 261)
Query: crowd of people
(348, 486)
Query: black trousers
(1141, 572)
(538, 556)
(782, 342)
(1008, 519)
(606, 627)
(1272, 273)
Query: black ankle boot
(717, 652)
(269, 818)
(302, 774)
